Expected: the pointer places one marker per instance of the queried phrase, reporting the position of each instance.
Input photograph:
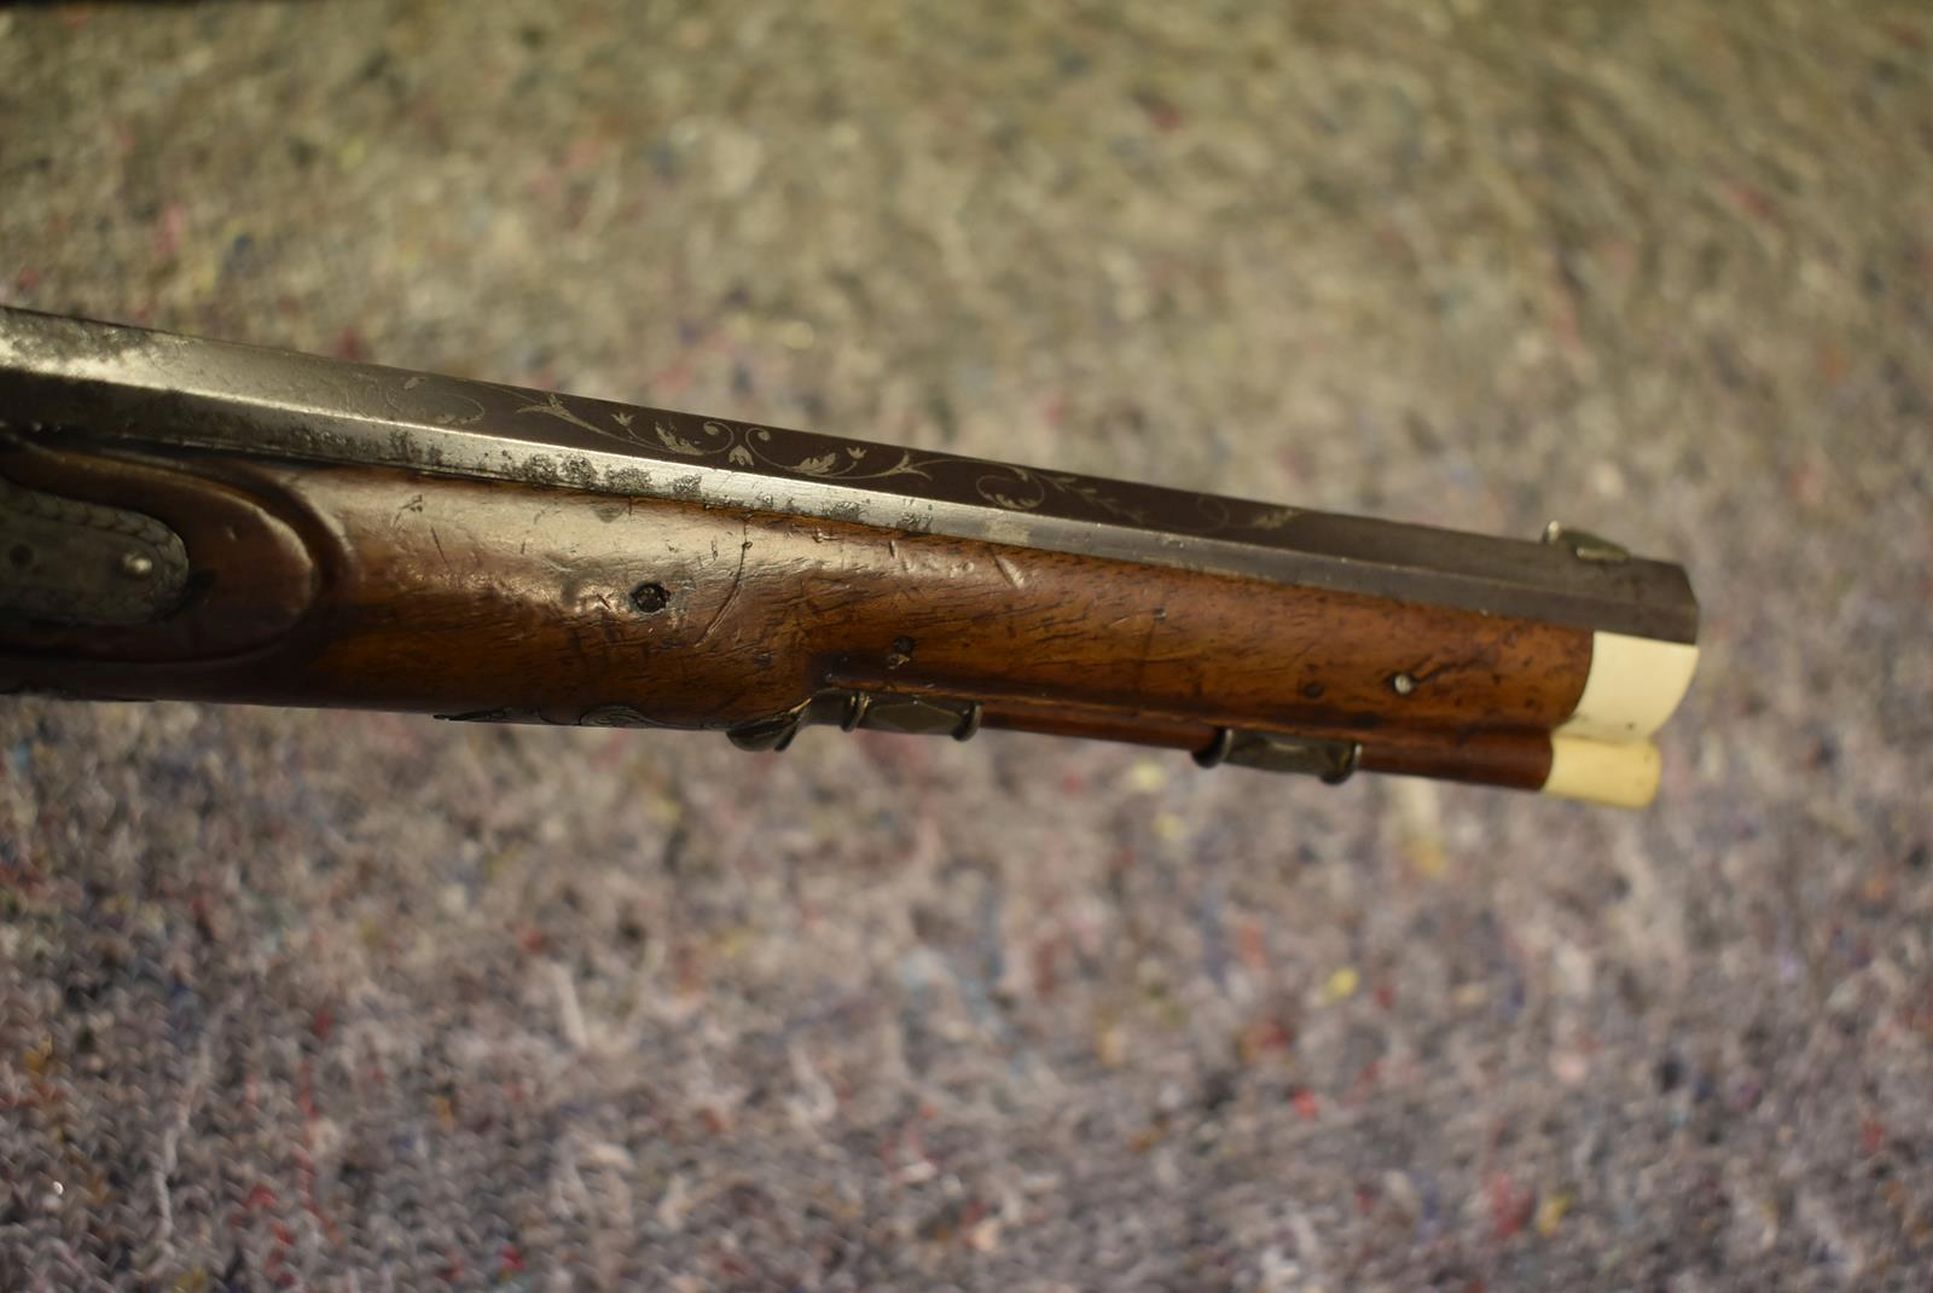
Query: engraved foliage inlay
(772, 451)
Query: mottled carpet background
(360, 1002)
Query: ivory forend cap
(1603, 752)
(1623, 776)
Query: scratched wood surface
(452, 597)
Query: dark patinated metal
(76, 563)
(857, 710)
(69, 381)
(1584, 545)
(1330, 761)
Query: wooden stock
(375, 587)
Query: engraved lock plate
(65, 561)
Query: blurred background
(351, 1001)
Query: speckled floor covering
(361, 1002)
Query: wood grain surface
(488, 600)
